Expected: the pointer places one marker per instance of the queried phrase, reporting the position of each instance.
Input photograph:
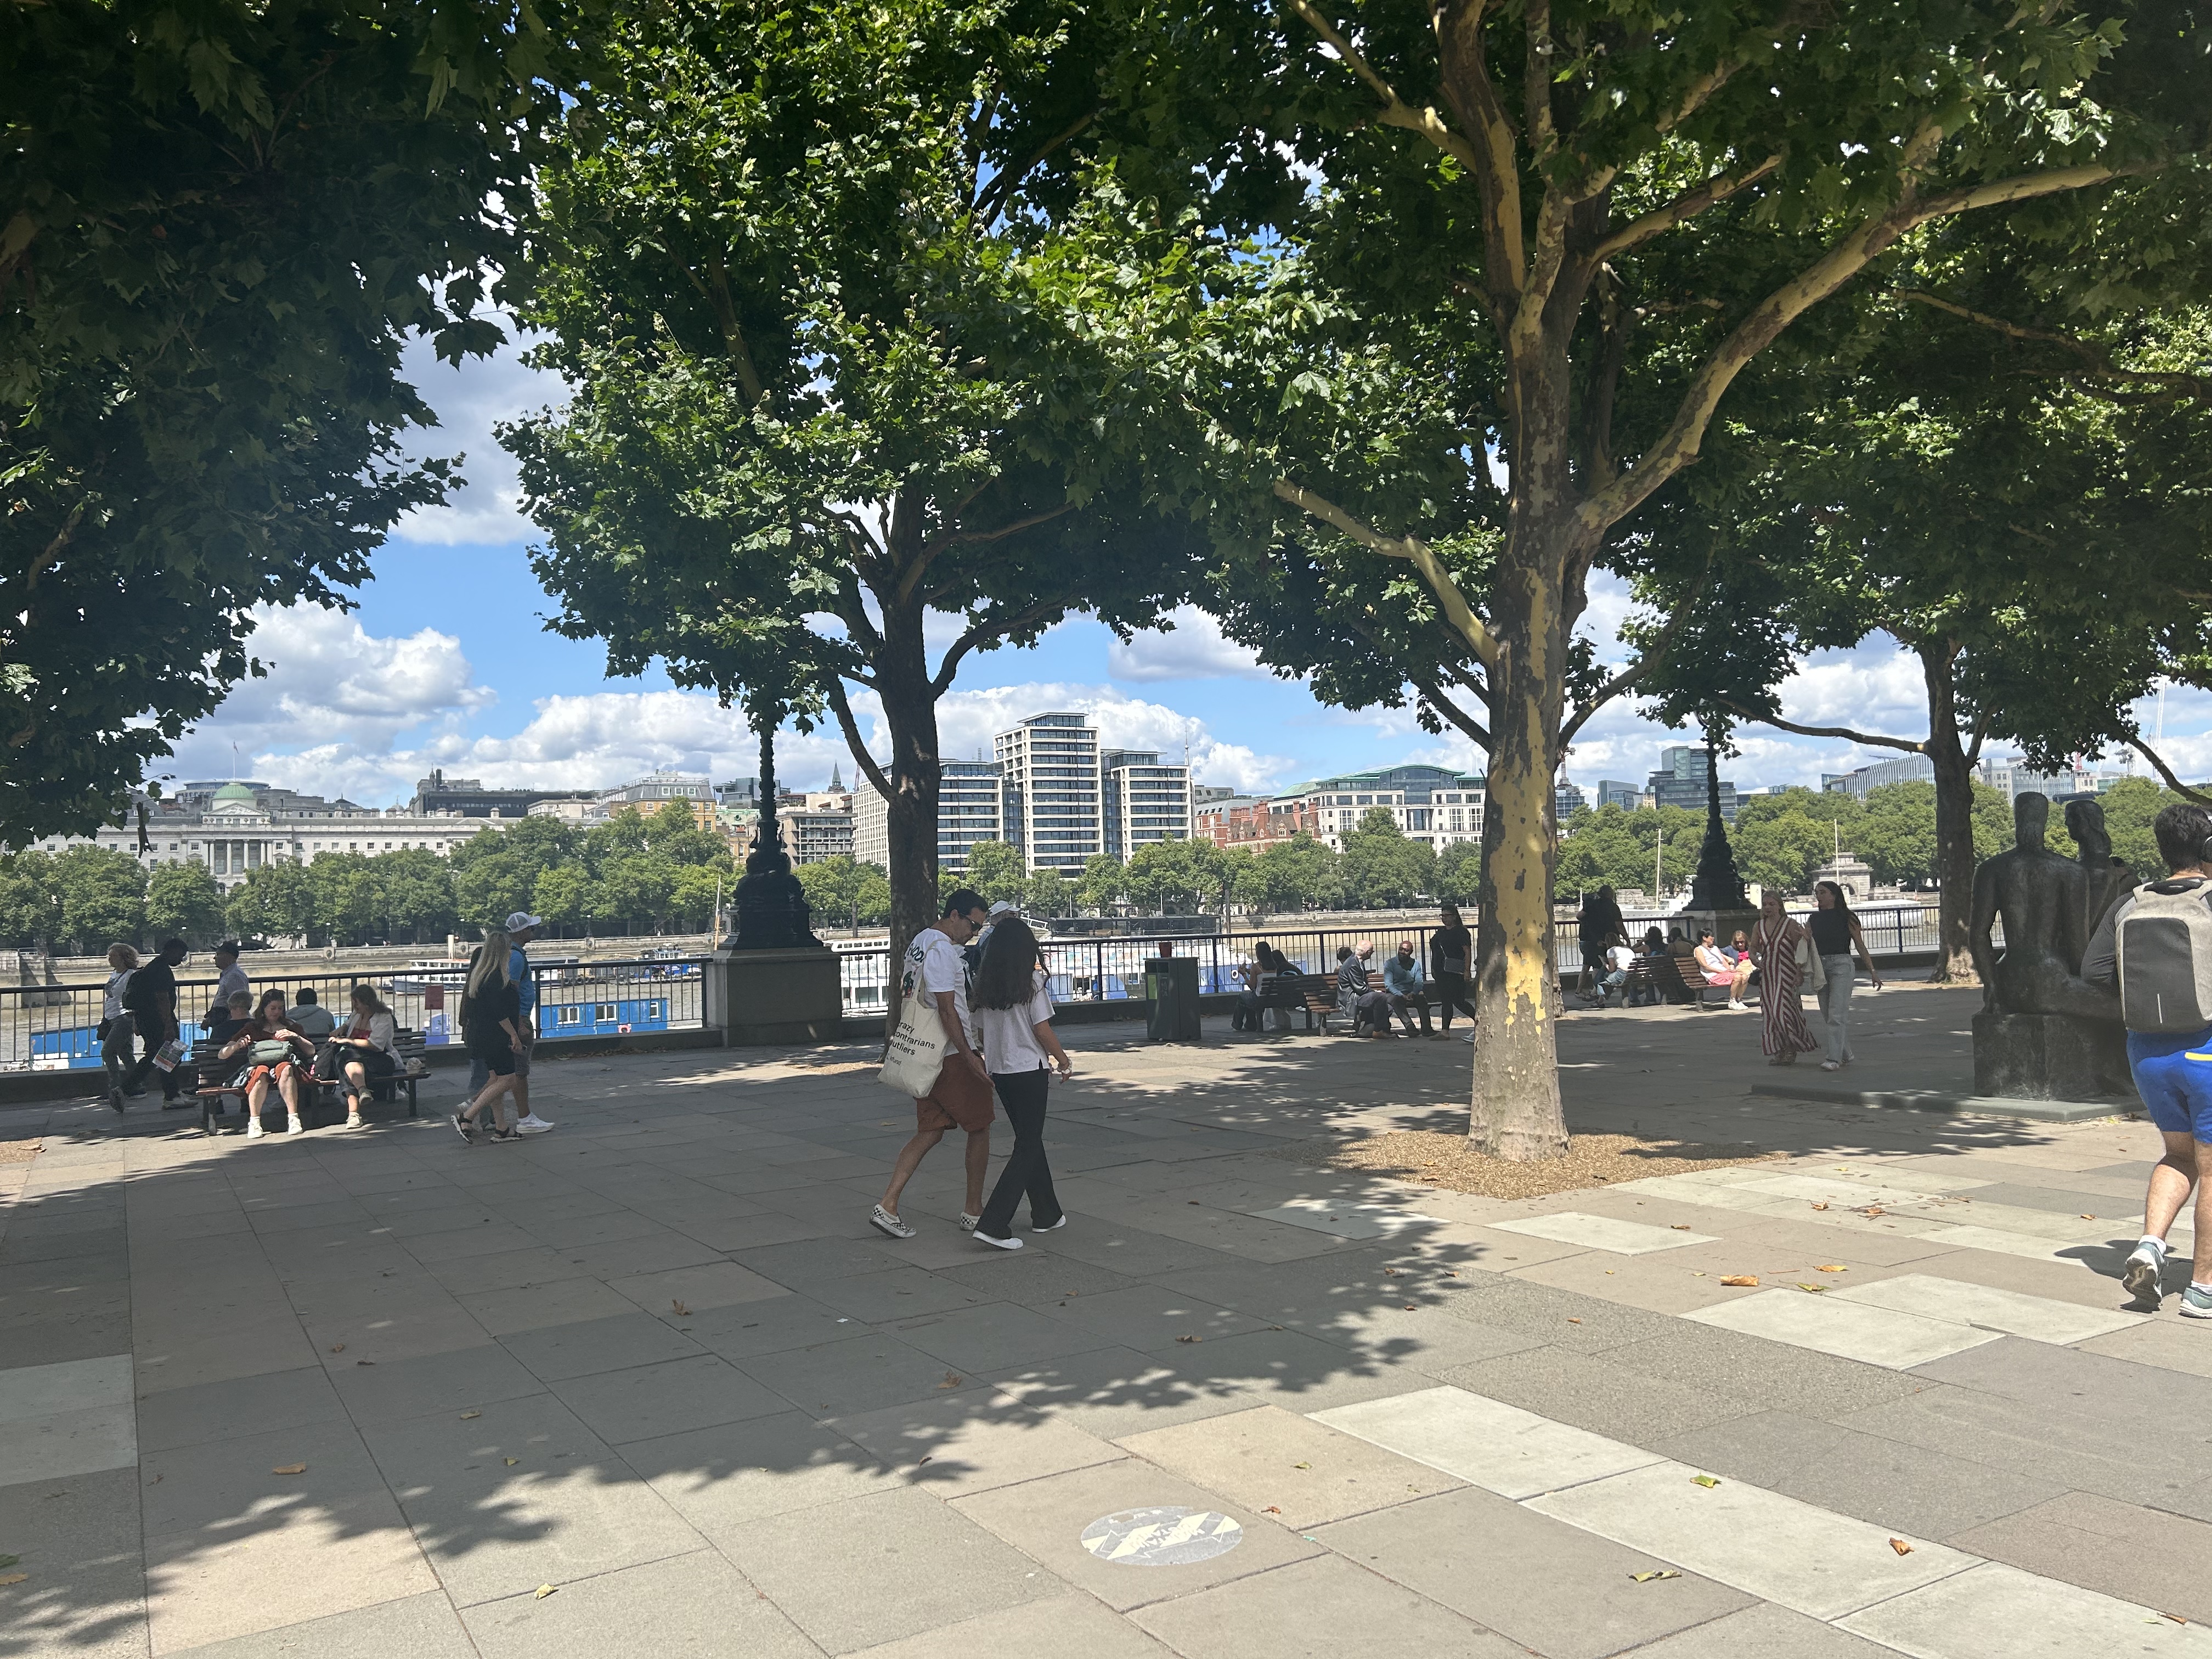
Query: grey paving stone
(598, 1344)
(737, 1473)
(1584, 1391)
(2041, 1375)
(1318, 1609)
(1913, 1489)
(56, 1337)
(688, 1607)
(643, 1401)
(2104, 1544)
(1112, 1392)
(857, 1374)
(896, 1294)
(1765, 1632)
(569, 1506)
(993, 1335)
(792, 1320)
(227, 1411)
(1582, 1324)
(78, 1537)
(970, 1441)
(1035, 1275)
(1279, 1463)
(806, 1263)
(1151, 1317)
(1777, 1375)
(1074, 1623)
(105, 1246)
(923, 1563)
(454, 1381)
(1526, 1560)
(420, 1626)
(1132, 1251)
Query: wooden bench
(1675, 985)
(212, 1096)
(1302, 995)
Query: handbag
(914, 1057)
(270, 1051)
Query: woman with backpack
(116, 1031)
(491, 1018)
(269, 1049)
(1013, 1012)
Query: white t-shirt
(111, 1001)
(1619, 957)
(933, 961)
(1010, 1043)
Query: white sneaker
(981, 1237)
(1735, 1007)
(884, 1222)
(1054, 1228)
(1831, 1066)
(253, 1129)
(294, 1127)
(532, 1125)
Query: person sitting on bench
(1369, 1009)
(269, 1049)
(366, 1051)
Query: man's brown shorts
(961, 1099)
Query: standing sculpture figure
(2044, 902)
(2110, 880)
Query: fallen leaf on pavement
(1681, 1226)
(14, 1578)
(1872, 1210)
(682, 1312)
(1410, 1307)
(512, 1461)
(1647, 1577)
(1705, 1481)
(338, 1347)
(1740, 1278)
(364, 1362)
(1900, 1547)
(1820, 1207)
(9, 1560)
(1830, 1267)
(544, 1590)
(2088, 1217)
(1572, 1321)
(1272, 1508)
(1186, 1339)
(290, 1468)
(2176, 1617)
(467, 1415)
(1817, 1290)
(1300, 1466)
(924, 1460)
(952, 1380)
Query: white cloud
(1191, 647)
(469, 400)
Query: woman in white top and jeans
(115, 1042)
(1013, 1011)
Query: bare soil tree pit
(1451, 1162)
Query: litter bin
(1172, 999)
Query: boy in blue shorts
(2172, 1072)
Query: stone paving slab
(753, 1390)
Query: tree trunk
(1954, 821)
(903, 683)
(1516, 1112)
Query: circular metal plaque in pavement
(1162, 1537)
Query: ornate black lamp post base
(770, 905)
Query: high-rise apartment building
(1680, 780)
(1049, 767)
(1143, 801)
(970, 807)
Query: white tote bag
(916, 1052)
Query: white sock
(2147, 1241)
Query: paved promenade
(651, 1385)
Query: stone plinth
(2048, 1056)
(1725, 924)
(774, 996)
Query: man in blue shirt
(1402, 984)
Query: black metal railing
(55, 1027)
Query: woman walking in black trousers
(1013, 1012)
(1451, 956)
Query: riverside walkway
(650, 1385)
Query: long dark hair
(1843, 899)
(1005, 976)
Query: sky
(447, 662)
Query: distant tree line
(629, 875)
(1782, 841)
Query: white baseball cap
(1002, 907)
(520, 920)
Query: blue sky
(447, 662)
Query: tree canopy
(223, 224)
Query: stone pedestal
(774, 996)
(1724, 924)
(2048, 1056)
